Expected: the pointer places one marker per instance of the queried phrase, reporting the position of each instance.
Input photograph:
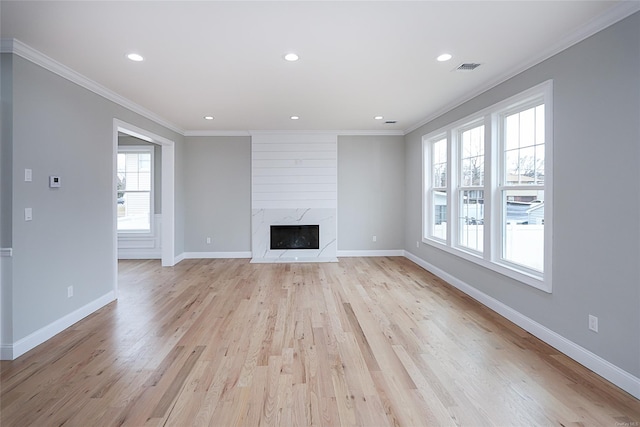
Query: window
(496, 172)
(471, 188)
(522, 186)
(135, 189)
(437, 189)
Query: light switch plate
(28, 214)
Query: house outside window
(135, 189)
(436, 221)
(495, 198)
(471, 188)
(522, 189)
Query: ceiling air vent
(467, 66)
(390, 122)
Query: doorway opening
(167, 228)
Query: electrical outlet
(69, 291)
(417, 243)
(208, 240)
(375, 238)
(593, 323)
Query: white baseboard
(248, 254)
(597, 364)
(204, 255)
(372, 253)
(11, 352)
(179, 258)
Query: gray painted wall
(596, 154)
(179, 197)
(218, 194)
(6, 192)
(61, 129)
(6, 149)
(370, 192)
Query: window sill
(135, 235)
(509, 271)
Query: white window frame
(457, 186)
(429, 188)
(491, 256)
(141, 149)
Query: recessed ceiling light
(294, 117)
(378, 118)
(135, 57)
(208, 117)
(291, 57)
(444, 57)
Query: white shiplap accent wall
(293, 171)
(294, 181)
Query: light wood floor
(367, 341)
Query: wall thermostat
(54, 181)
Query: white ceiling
(357, 59)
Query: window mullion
(452, 182)
(489, 184)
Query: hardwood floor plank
(270, 400)
(174, 388)
(364, 342)
(365, 348)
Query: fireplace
(294, 197)
(314, 231)
(295, 237)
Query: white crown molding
(24, 51)
(370, 132)
(294, 132)
(615, 14)
(329, 132)
(217, 133)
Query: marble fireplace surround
(294, 182)
(262, 219)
